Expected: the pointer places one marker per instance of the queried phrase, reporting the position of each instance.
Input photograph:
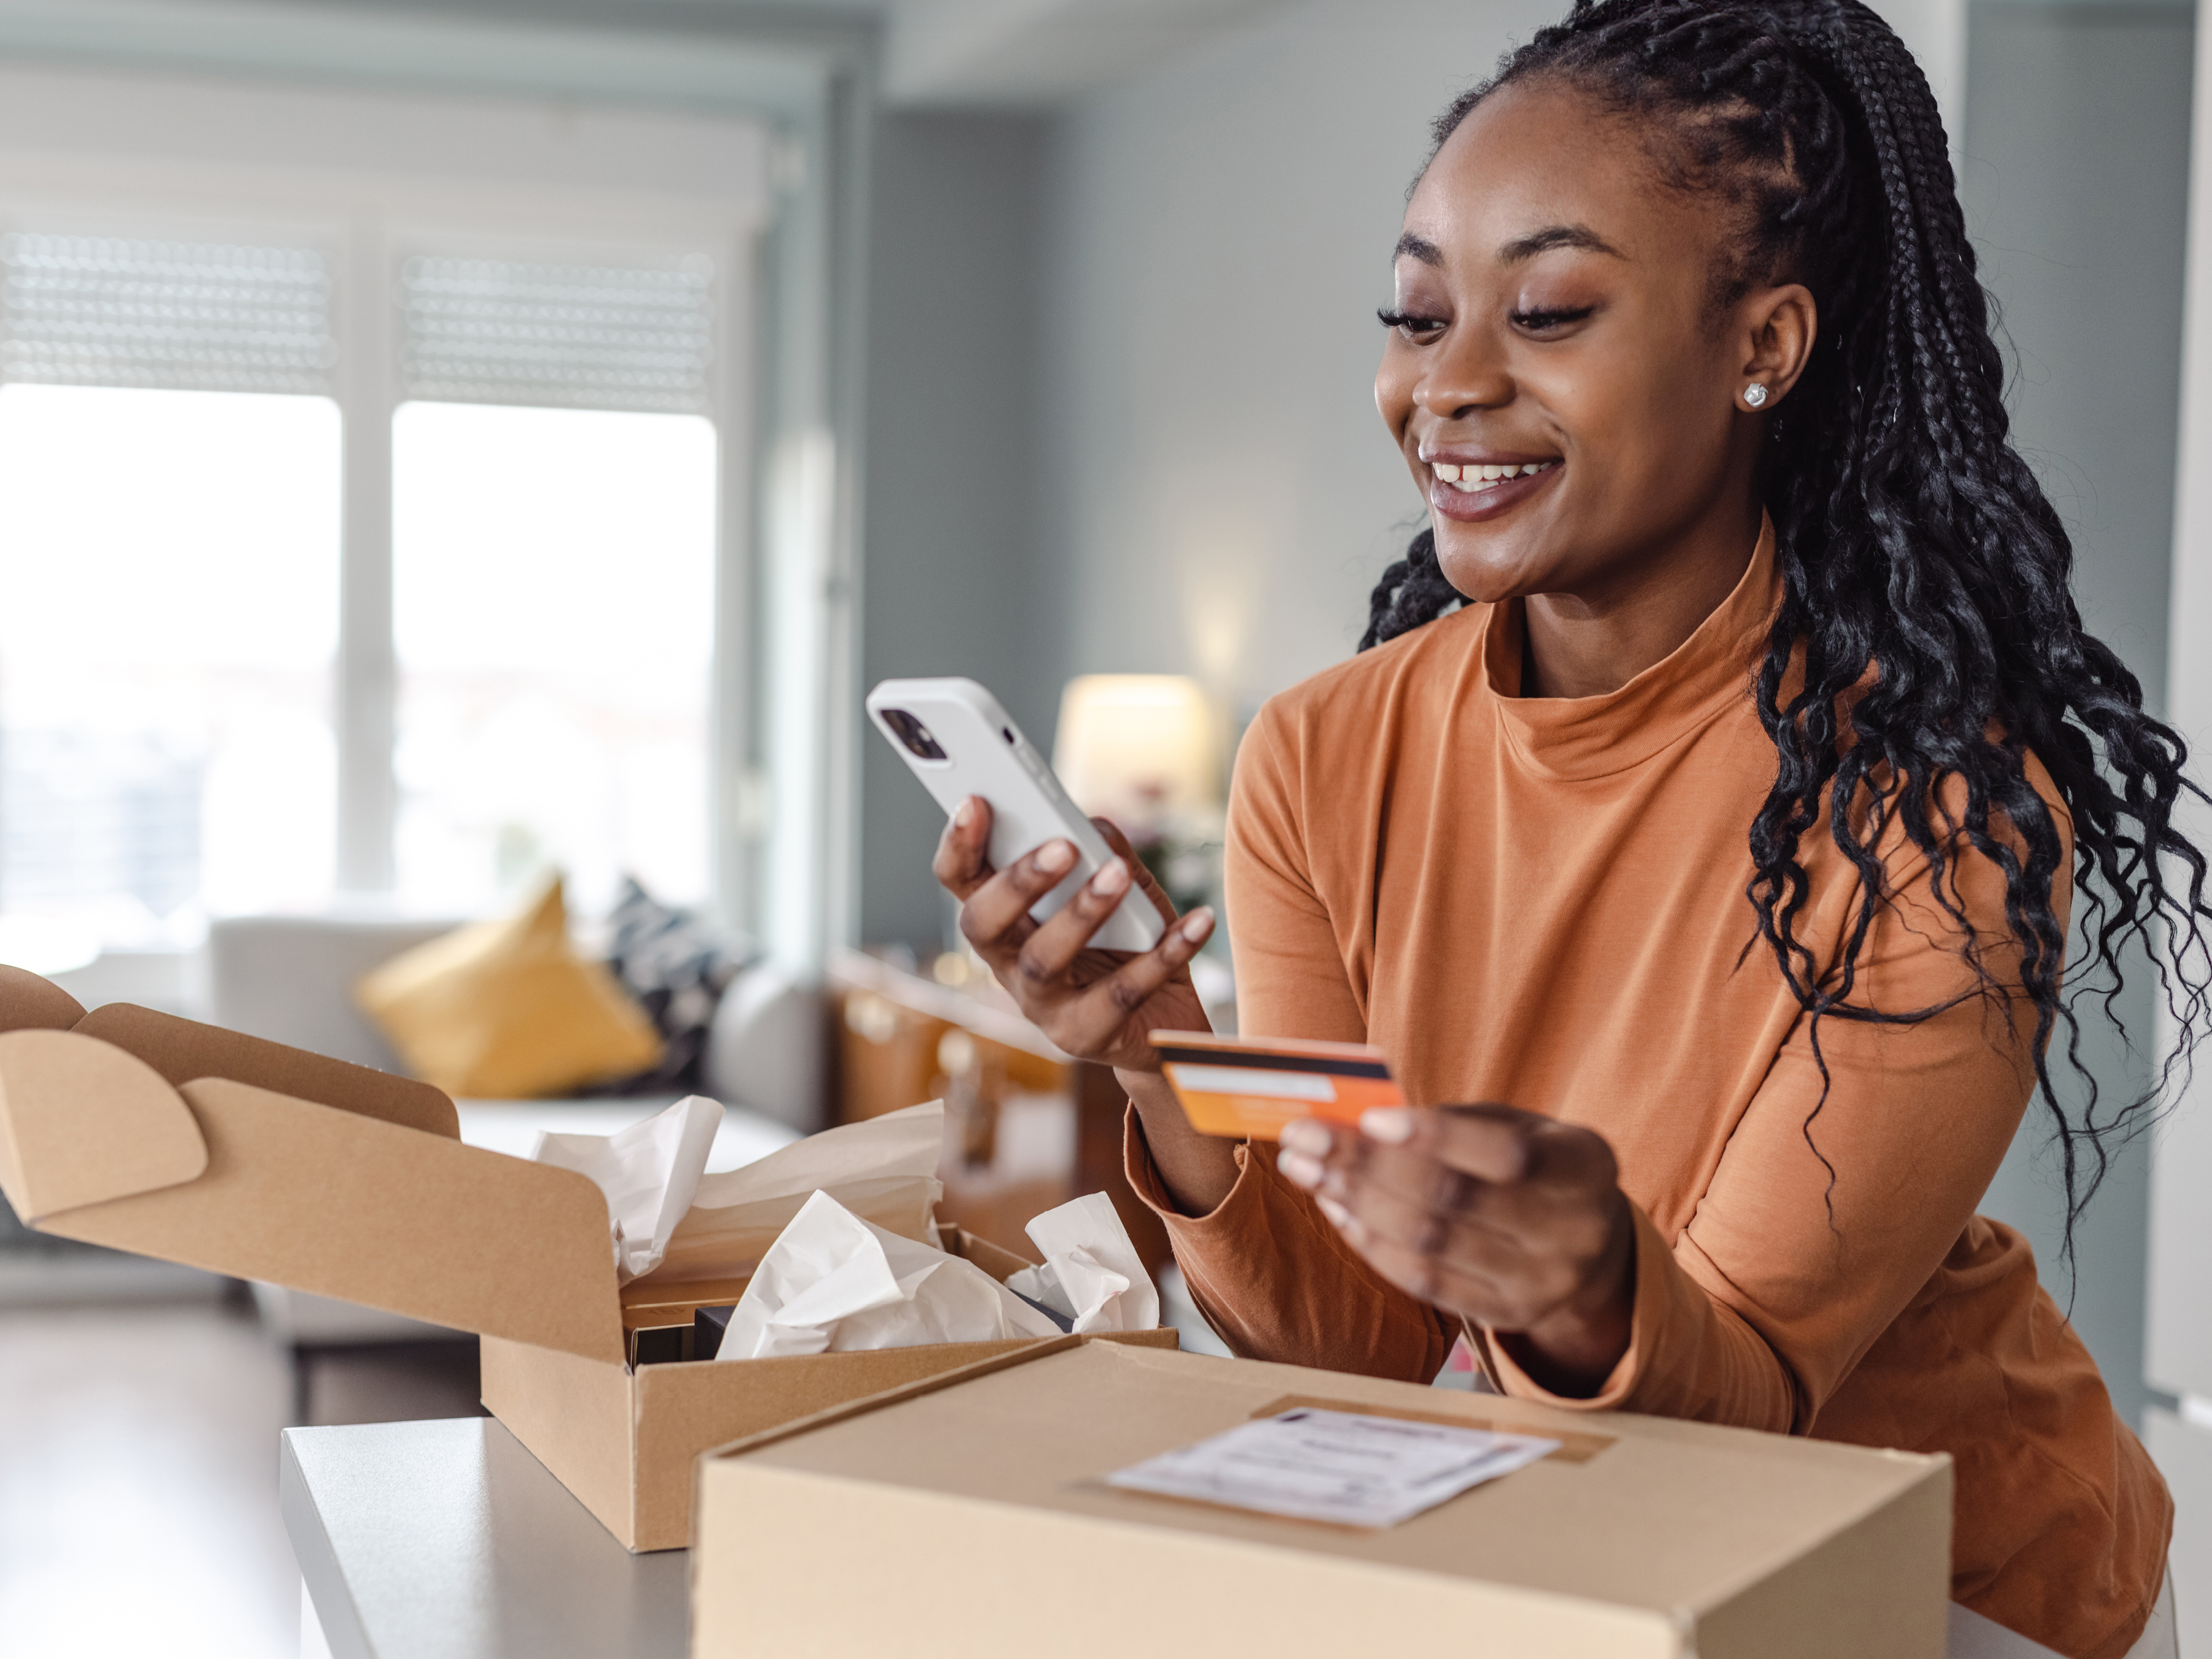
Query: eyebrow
(1551, 236)
(1521, 248)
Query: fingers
(963, 862)
(1058, 940)
(1530, 1248)
(1484, 1292)
(1137, 871)
(1451, 1159)
(1542, 1208)
(995, 918)
(1490, 1143)
(1443, 1163)
(1106, 1006)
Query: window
(553, 609)
(376, 494)
(174, 698)
(553, 575)
(169, 476)
(168, 619)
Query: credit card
(1252, 1086)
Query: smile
(1474, 492)
(1472, 480)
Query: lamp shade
(1140, 749)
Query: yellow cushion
(508, 1010)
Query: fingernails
(1308, 1137)
(1334, 1210)
(1113, 877)
(1298, 1167)
(1392, 1125)
(1198, 924)
(964, 814)
(1054, 856)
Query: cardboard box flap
(1018, 1355)
(1002, 1264)
(30, 1003)
(182, 1050)
(345, 1204)
(82, 1122)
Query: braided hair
(1909, 535)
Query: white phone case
(985, 754)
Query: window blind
(183, 316)
(565, 335)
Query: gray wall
(951, 543)
(1223, 494)
(2076, 186)
(1119, 380)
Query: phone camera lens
(914, 734)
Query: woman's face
(1559, 351)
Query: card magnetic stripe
(1245, 1059)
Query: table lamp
(1141, 750)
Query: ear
(1777, 329)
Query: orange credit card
(1252, 1086)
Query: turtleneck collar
(1590, 737)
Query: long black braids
(1927, 642)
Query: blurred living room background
(464, 462)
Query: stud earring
(1754, 394)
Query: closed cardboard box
(968, 1516)
(137, 1130)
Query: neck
(1586, 643)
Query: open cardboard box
(144, 1132)
(966, 1514)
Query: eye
(1413, 325)
(1540, 320)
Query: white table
(449, 1540)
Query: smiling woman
(1697, 830)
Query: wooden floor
(138, 1473)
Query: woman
(1723, 843)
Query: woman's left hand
(1516, 1221)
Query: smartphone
(1252, 1086)
(959, 741)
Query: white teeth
(1472, 477)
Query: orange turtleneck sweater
(1541, 902)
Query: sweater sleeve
(1265, 1268)
(1836, 1200)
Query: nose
(1467, 372)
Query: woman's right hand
(1094, 1004)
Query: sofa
(290, 979)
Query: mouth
(1475, 490)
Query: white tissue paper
(884, 1170)
(1092, 1274)
(834, 1283)
(649, 1172)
